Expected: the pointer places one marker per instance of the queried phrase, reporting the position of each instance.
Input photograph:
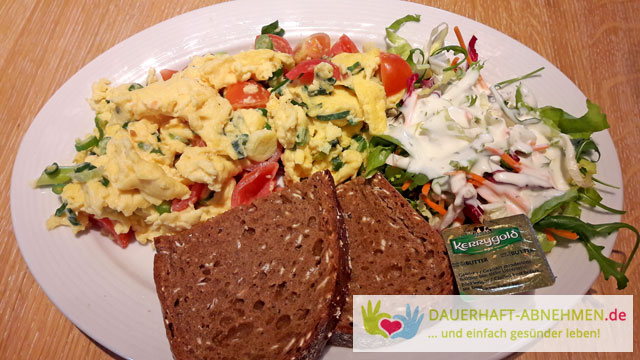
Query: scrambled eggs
(155, 142)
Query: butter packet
(502, 256)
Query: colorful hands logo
(404, 326)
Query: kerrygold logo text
(480, 243)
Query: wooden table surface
(43, 43)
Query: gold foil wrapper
(502, 256)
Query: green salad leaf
(592, 121)
(273, 28)
(587, 232)
(584, 148)
(380, 147)
(397, 44)
(553, 204)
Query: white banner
(507, 323)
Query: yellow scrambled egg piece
(221, 70)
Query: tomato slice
(255, 185)
(344, 45)
(198, 142)
(279, 43)
(273, 158)
(394, 72)
(304, 71)
(196, 192)
(167, 73)
(247, 95)
(314, 46)
(106, 225)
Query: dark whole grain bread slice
(392, 249)
(261, 281)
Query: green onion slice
(87, 143)
(102, 145)
(263, 111)
(88, 174)
(336, 163)
(335, 116)
(164, 207)
(57, 188)
(264, 42)
(60, 210)
(71, 216)
(51, 169)
(362, 143)
(280, 86)
(83, 167)
(135, 86)
(100, 125)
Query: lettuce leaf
(553, 204)
(397, 44)
(587, 232)
(592, 121)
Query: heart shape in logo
(390, 326)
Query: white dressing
(466, 128)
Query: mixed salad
(458, 149)
(462, 151)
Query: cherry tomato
(312, 47)
(273, 158)
(198, 142)
(196, 192)
(279, 43)
(255, 185)
(344, 45)
(106, 225)
(247, 95)
(394, 72)
(167, 74)
(304, 71)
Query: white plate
(109, 292)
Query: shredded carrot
(453, 63)
(426, 188)
(440, 209)
(461, 41)
(406, 185)
(505, 157)
(550, 236)
(564, 233)
(540, 147)
(462, 45)
(475, 177)
(474, 183)
(509, 160)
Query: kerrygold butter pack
(502, 256)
